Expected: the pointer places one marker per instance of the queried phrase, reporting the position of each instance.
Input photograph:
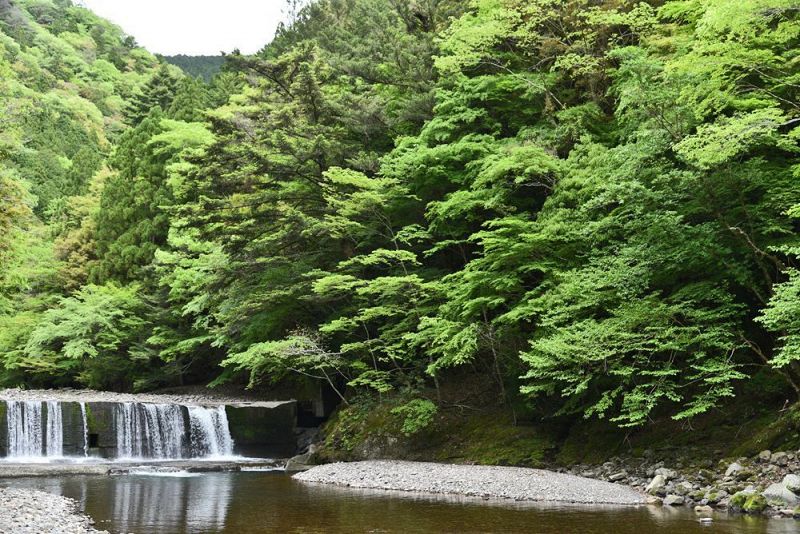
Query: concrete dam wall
(35, 430)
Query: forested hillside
(205, 67)
(589, 206)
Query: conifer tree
(159, 92)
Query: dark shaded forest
(205, 67)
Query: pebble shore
(516, 483)
(767, 483)
(36, 512)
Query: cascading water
(55, 430)
(158, 431)
(24, 429)
(85, 430)
(149, 430)
(26, 436)
(210, 435)
(49, 430)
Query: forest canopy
(592, 205)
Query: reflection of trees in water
(186, 501)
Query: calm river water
(252, 502)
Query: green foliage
(590, 203)
(204, 67)
(418, 414)
(782, 316)
(94, 338)
(158, 92)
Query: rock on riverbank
(516, 483)
(36, 512)
(767, 483)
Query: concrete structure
(258, 429)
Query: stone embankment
(89, 395)
(768, 483)
(36, 512)
(517, 483)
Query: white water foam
(85, 430)
(149, 431)
(55, 431)
(210, 435)
(25, 435)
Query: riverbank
(766, 483)
(37, 512)
(515, 483)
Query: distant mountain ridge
(198, 66)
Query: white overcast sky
(194, 27)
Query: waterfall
(149, 430)
(85, 430)
(210, 435)
(24, 429)
(158, 430)
(36, 429)
(55, 430)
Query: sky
(194, 27)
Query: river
(256, 502)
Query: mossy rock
(749, 503)
(755, 503)
(697, 495)
(767, 432)
(370, 430)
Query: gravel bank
(36, 512)
(89, 395)
(473, 480)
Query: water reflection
(256, 502)
(194, 501)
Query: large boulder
(301, 462)
(748, 501)
(668, 474)
(778, 493)
(792, 483)
(656, 486)
(733, 469)
(779, 458)
(673, 500)
(684, 488)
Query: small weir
(160, 431)
(45, 430)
